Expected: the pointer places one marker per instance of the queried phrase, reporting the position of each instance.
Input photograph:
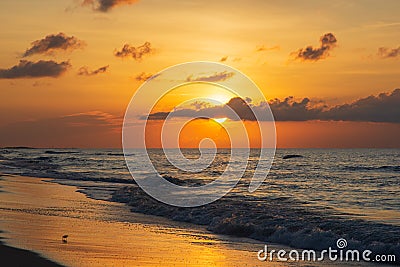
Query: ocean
(306, 202)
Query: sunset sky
(329, 69)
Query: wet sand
(35, 214)
(23, 258)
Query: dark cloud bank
(327, 42)
(29, 69)
(54, 42)
(382, 108)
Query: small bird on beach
(64, 238)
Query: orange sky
(81, 102)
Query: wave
(45, 167)
(282, 221)
(60, 152)
(373, 168)
(183, 182)
(34, 164)
(115, 154)
(277, 219)
(43, 158)
(19, 147)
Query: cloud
(327, 42)
(40, 84)
(106, 5)
(264, 48)
(216, 77)
(90, 118)
(136, 53)
(205, 110)
(29, 69)
(53, 42)
(382, 108)
(385, 52)
(85, 71)
(95, 128)
(142, 77)
(241, 108)
(197, 105)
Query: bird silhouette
(64, 238)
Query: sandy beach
(20, 257)
(36, 213)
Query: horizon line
(120, 148)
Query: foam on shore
(35, 214)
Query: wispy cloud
(265, 48)
(106, 5)
(327, 42)
(94, 128)
(136, 53)
(143, 76)
(40, 84)
(215, 77)
(87, 72)
(385, 52)
(91, 118)
(29, 69)
(52, 43)
(382, 108)
(383, 24)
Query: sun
(220, 120)
(220, 97)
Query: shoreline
(24, 258)
(104, 233)
(36, 213)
